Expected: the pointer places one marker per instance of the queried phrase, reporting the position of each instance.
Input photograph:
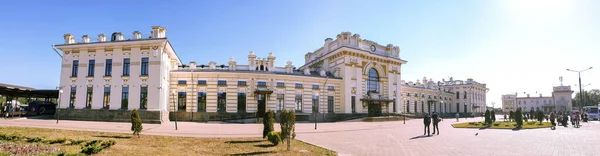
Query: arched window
(373, 81)
(465, 95)
(457, 95)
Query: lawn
(167, 145)
(503, 125)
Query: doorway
(261, 100)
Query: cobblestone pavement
(377, 138)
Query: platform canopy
(21, 91)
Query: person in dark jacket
(436, 120)
(427, 122)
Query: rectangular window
(73, 93)
(144, 66)
(262, 83)
(241, 102)
(202, 82)
(330, 88)
(88, 102)
(241, 83)
(125, 98)
(221, 102)
(126, 65)
(201, 102)
(221, 82)
(280, 102)
(181, 101)
(280, 84)
(353, 102)
(315, 86)
(298, 85)
(144, 98)
(182, 82)
(108, 68)
(298, 102)
(106, 103)
(74, 68)
(415, 106)
(330, 106)
(91, 65)
(407, 106)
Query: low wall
(107, 115)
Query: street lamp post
(58, 109)
(580, 88)
(315, 109)
(174, 108)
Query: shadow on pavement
(243, 142)
(420, 136)
(253, 153)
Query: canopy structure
(27, 92)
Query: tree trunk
(288, 140)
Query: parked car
(41, 107)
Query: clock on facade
(373, 48)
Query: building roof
(295, 73)
(21, 91)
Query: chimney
(101, 38)
(158, 32)
(85, 39)
(69, 39)
(192, 65)
(137, 35)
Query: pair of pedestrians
(427, 121)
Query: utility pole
(580, 87)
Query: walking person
(552, 120)
(427, 122)
(457, 116)
(436, 119)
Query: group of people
(427, 121)
(563, 118)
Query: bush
(108, 143)
(35, 139)
(91, 149)
(136, 123)
(57, 140)
(487, 120)
(540, 116)
(268, 120)
(76, 141)
(519, 118)
(71, 154)
(511, 116)
(274, 137)
(493, 116)
(10, 137)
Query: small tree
(136, 123)
(493, 116)
(532, 114)
(487, 117)
(511, 116)
(540, 116)
(519, 117)
(287, 120)
(268, 123)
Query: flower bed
(12, 148)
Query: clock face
(373, 48)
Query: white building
(470, 95)
(560, 101)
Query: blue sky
(513, 45)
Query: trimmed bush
(540, 116)
(488, 120)
(136, 123)
(519, 117)
(274, 137)
(108, 143)
(511, 116)
(57, 140)
(76, 141)
(268, 120)
(35, 139)
(91, 149)
(493, 116)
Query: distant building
(560, 101)
(470, 94)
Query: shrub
(487, 120)
(91, 149)
(268, 123)
(496, 124)
(35, 139)
(76, 141)
(136, 123)
(287, 122)
(274, 137)
(71, 154)
(108, 143)
(10, 137)
(493, 116)
(540, 116)
(57, 140)
(511, 116)
(518, 118)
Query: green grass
(167, 145)
(502, 125)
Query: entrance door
(261, 105)
(374, 109)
